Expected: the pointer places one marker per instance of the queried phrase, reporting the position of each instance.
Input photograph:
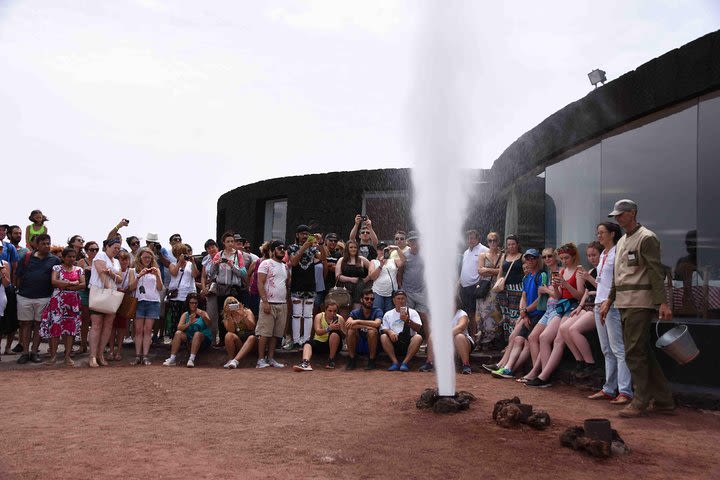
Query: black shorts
(401, 346)
(524, 331)
(323, 347)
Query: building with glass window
(652, 135)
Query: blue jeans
(383, 303)
(617, 374)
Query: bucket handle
(657, 327)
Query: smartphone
(556, 275)
(311, 238)
(234, 306)
(386, 253)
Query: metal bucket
(677, 343)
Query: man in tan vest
(638, 291)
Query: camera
(234, 306)
(142, 289)
(186, 257)
(386, 253)
(363, 218)
(157, 247)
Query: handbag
(483, 287)
(173, 292)
(500, 284)
(127, 306)
(105, 300)
(339, 295)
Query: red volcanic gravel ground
(173, 422)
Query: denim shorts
(147, 309)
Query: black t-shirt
(303, 274)
(367, 251)
(36, 276)
(332, 259)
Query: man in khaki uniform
(638, 291)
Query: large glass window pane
(275, 219)
(572, 202)
(656, 165)
(389, 212)
(708, 237)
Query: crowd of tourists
(322, 295)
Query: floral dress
(62, 314)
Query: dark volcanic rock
(441, 404)
(576, 439)
(539, 420)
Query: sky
(150, 110)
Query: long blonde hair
(138, 264)
(227, 303)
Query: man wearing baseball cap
(638, 291)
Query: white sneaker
(190, 364)
(169, 362)
(274, 363)
(262, 363)
(231, 364)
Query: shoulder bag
(500, 284)
(129, 302)
(339, 295)
(105, 300)
(483, 287)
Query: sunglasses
(134, 243)
(80, 240)
(368, 299)
(548, 256)
(364, 233)
(399, 238)
(176, 239)
(93, 249)
(492, 240)
(279, 248)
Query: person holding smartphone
(401, 333)
(147, 285)
(328, 332)
(383, 273)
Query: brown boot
(631, 411)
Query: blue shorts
(147, 309)
(549, 314)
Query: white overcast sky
(151, 109)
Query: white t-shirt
(386, 282)
(391, 320)
(95, 279)
(456, 319)
(469, 272)
(605, 269)
(275, 281)
(183, 281)
(149, 283)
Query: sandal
(69, 362)
(101, 360)
(146, 361)
(137, 361)
(93, 363)
(117, 357)
(51, 360)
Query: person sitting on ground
(569, 291)
(531, 311)
(240, 326)
(582, 319)
(193, 329)
(362, 329)
(61, 317)
(329, 328)
(462, 340)
(400, 332)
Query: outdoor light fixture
(597, 76)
